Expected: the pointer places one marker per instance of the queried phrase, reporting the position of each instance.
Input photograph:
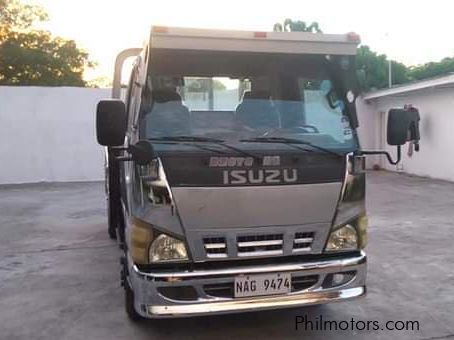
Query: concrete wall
(369, 130)
(436, 107)
(48, 134)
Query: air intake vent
(303, 242)
(303, 282)
(223, 290)
(260, 245)
(215, 247)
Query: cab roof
(250, 41)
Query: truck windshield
(235, 97)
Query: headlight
(344, 238)
(166, 249)
(146, 245)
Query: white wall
(48, 134)
(368, 131)
(436, 108)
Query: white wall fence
(436, 108)
(48, 134)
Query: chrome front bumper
(151, 303)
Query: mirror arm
(388, 156)
(123, 158)
(119, 148)
(114, 152)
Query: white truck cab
(236, 179)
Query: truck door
(132, 105)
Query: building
(435, 100)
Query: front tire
(111, 221)
(112, 180)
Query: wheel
(129, 305)
(111, 221)
(112, 180)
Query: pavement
(59, 272)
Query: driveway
(59, 272)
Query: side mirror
(111, 122)
(142, 152)
(403, 126)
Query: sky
(412, 32)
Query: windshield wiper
(291, 142)
(187, 139)
(204, 140)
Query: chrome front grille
(260, 245)
(215, 247)
(303, 242)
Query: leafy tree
(203, 85)
(218, 85)
(290, 25)
(432, 69)
(102, 82)
(35, 57)
(15, 15)
(375, 67)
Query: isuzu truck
(235, 179)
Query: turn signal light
(141, 236)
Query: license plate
(266, 284)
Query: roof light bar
(160, 29)
(353, 37)
(259, 34)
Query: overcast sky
(412, 32)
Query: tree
(35, 57)
(218, 85)
(203, 85)
(15, 15)
(290, 25)
(102, 82)
(375, 67)
(432, 69)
